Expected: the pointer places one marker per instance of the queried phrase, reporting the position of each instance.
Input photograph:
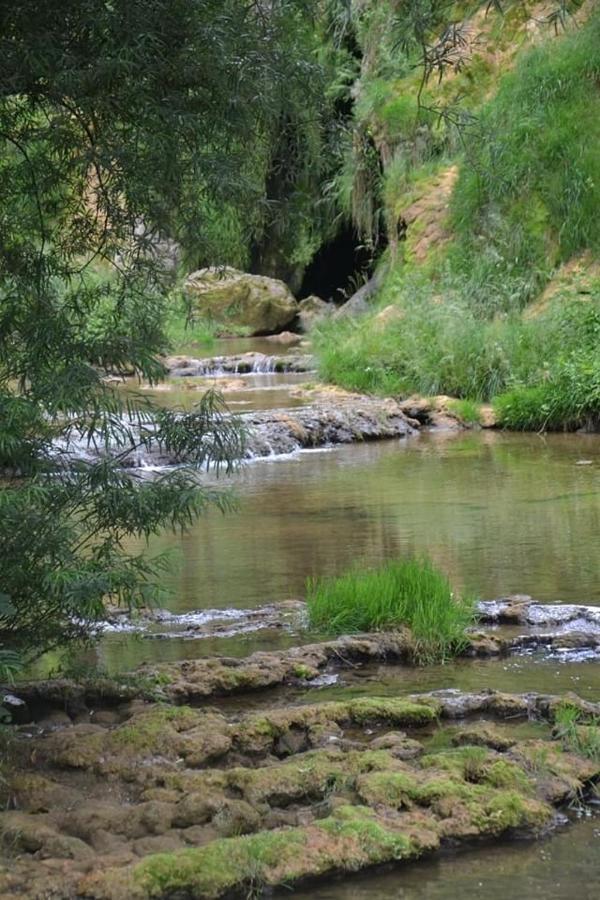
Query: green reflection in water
(499, 513)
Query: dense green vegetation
(410, 593)
(249, 140)
(120, 122)
(525, 203)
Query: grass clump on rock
(409, 593)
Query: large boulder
(312, 311)
(263, 305)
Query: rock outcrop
(313, 310)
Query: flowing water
(500, 513)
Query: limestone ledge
(183, 802)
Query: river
(499, 513)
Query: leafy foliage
(115, 118)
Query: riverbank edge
(548, 627)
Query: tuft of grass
(466, 410)
(410, 593)
(577, 732)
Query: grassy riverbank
(504, 305)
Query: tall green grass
(568, 400)
(527, 199)
(434, 347)
(410, 593)
(529, 192)
(541, 372)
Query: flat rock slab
(326, 423)
(522, 610)
(196, 680)
(279, 432)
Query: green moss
(479, 765)
(504, 773)
(150, 731)
(456, 759)
(208, 872)
(392, 710)
(509, 809)
(393, 789)
(379, 843)
(304, 672)
(349, 839)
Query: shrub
(410, 593)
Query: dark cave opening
(339, 267)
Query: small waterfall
(242, 364)
(261, 365)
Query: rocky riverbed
(140, 787)
(555, 628)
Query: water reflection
(499, 513)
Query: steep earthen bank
(162, 801)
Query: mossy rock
(484, 735)
(260, 304)
(162, 731)
(349, 840)
(393, 710)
